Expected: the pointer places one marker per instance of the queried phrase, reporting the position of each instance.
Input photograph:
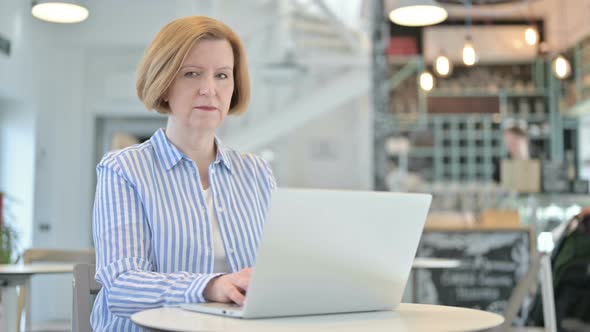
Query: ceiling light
(443, 66)
(561, 67)
(469, 55)
(417, 13)
(64, 11)
(426, 81)
(531, 36)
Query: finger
(242, 282)
(236, 296)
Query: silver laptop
(326, 251)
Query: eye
(222, 76)
(191, 74)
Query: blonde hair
(166, 53)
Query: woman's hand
(229, 287)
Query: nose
(207, 87)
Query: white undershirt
(220, 260)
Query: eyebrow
(195, 66)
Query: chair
(41, 255)
(85, 289)
(540, 266)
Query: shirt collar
(222, 154)
(169, 154)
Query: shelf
(530, 118)
(421, 152)
(462, 117)
(536, 93)
(540, 137)
(461, 93)
(585, 69)
(445, 92)
(462, 146)
(455, 152)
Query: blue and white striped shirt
(152, 232)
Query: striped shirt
(153, 234)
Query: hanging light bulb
(561, 67)
(443, 66)
(417, 13)
(469, 55)
(531, 36)
(426, 81)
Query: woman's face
(200, 95)
(512, 141)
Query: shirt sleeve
(122, 239)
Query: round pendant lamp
(417, 13)
(62, 11)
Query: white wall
(16, 70)
(333, 152)
(17, 162)
(16, 116)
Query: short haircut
(166, 53)
(517, 130)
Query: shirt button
(230, 251)
(212, 171)
(220, 209)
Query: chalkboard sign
(492, 264)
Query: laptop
(328, 251)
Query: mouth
(206, 108)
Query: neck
(198, 146)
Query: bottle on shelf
(524, 108)
(539, 109)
